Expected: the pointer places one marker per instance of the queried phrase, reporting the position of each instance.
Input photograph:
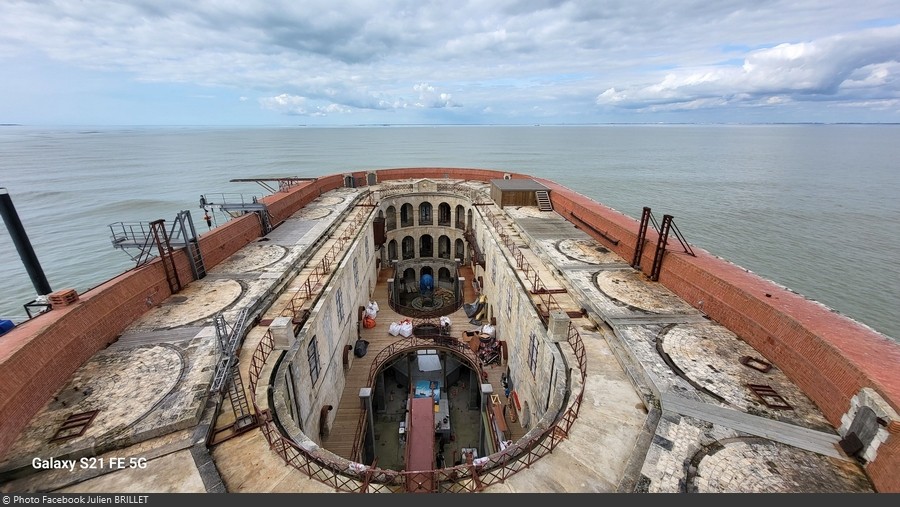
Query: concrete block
(282, 330)
(558, 328)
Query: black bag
(362, 346)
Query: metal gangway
(141, 239)
(236, 205)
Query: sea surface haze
(814, 208)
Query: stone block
(282, 330)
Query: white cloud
(578, 60)
(832, 66)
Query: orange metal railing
(493, 469)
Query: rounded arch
(409, 279)
(469, 219)
(444, 277)
(408, 248)
(460, 216)
(444, 214)
(406, 215)
(444, 247)
(460, 250)
(390, 218)
(426, 246)
(392, 250)
(425, 214)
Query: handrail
(356, 477)
(538, 287)
(398, 348)
(307, 290)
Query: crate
(64, 297)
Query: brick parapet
(829, 356)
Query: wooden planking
(344, 424)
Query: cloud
(864, 61)
(505, 60)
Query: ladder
(238, 397)
(543, 200)
(161, 240)
(143, 237)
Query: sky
(360, 62)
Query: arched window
(460, 217)
(444, 278)
(390, 218)
(425, 214)
(409, 248)
(444, 214)
(426, 246)
(460, 250)
(409, 280)
(444, 247)
(406, 218)
(392, 250)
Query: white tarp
(429, 362)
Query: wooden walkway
(344, 425)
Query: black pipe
(20, 239)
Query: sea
(812, 207)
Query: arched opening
(392, 250)
(444, 247)
(409, 281)
(469, 220)
(444, 214)
(460, 250)
(390, 218)
(409, 248)
(406, 215)
(425, 217)
(444, 278)
(460, 217)
(426, 246)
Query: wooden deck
(344, 425)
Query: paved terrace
(666, 405)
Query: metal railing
(538, 287)
(311, 287)
(352, 476)
(398, 348)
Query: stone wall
(829, 356)
(333, 322)
(38, 356)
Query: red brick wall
(39, 356)
(830, 357)
(883, 471)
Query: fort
(623, 359)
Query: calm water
(815, 208)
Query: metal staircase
(139, 239)
(228, 376)
(543, 200)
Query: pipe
(20, 239)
